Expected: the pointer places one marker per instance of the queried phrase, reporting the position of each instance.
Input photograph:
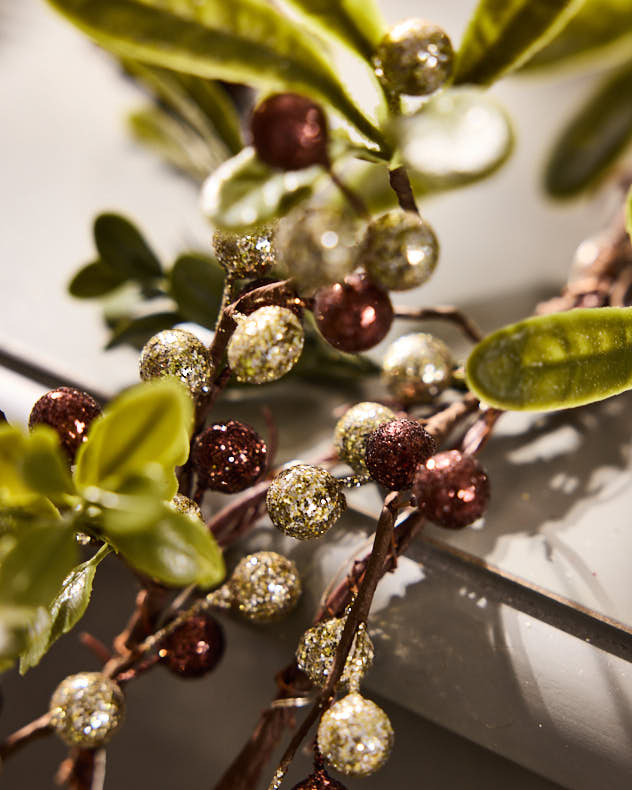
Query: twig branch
(442, 313)
(30, 732)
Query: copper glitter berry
(290, 132)
(229, 457)
(395, 450)
(69, 412)
(319, 780)
(452, 489)
(354, 315)
(194, 648)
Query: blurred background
(479, 695)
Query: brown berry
(451, 489)
(289, 132)
(194, 648)
(354, 315)
(395, 450)
(69, 412)
(229, 457)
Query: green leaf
(554, 361)
(504, 34)
(44, 468)
(628, 214)
(357, 23)
(123, 249)
(172, 547)
(244, 41)
(13, 488)
(457, 137)
(244, 191)
(32, 467)
(594, 138)
(94, 280)
(137, 331)
(148, 424)
(65, 611)
(600, 27)
(197, 285)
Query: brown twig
(30, 732)
(442, 313)
(354, 200)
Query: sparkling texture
(245, 254)
(354, 315)
(319, 780)
(229, 456)
(414, 58)
(69, 412)
(354, 428)
(265, 586)
(395, 449)
(399, 250)
(87, 709)
(417, 367)
(452, 489)
(194, 648)
(317, 648)
(265, 345)
(316, 247)
(289, 131)
(305, 501)
(187, 506)
(176, 352)
(355, 736)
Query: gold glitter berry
(265, 345)
(245, 255)
(417, 367)
(265, 586)
(305, 501)
(354, 428)
(176, 352)
(87, 709)
(317, 648)
(187, 506)
(355, 736)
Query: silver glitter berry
(414, 58)
(316, 247)
(417, 367)
(317, 648)
(265, 345)
(265, 586)
(176, 352)
(87, 709)
(187, 506)
(355, 736)
(399, 250)
(247, 254)
(354, 428)
(305, 501)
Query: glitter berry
(394, 451)
(229, 457)
(69, 412)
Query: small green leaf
(65, 611)
(44, 468)
(148, 424)
(554, 361)
(600, 27)
(123, 249)
(137, 331)
(244, 41)
(357, 23)
(172, 547)
(504, 34)
(31, 468)
(244, 191)
(94, 280)
(628, 214)
(594, 138)
(197, 285)
(13, 489)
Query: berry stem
(400, 183)
(442, 313)
(354, 200)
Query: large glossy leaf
(94, 280)
(149, 424)
(504, 34)
(600, 27)
(594, 138)
(244, 191)
(554, 361)
(357, 23)
(245, 41)
(122, 247)
(197, 284)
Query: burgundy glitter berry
(395, 450)
(229, 457)
(290, 132)
(319, 780)
(353, 315)
(69, 412)
(194, 648)
(452, 489)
